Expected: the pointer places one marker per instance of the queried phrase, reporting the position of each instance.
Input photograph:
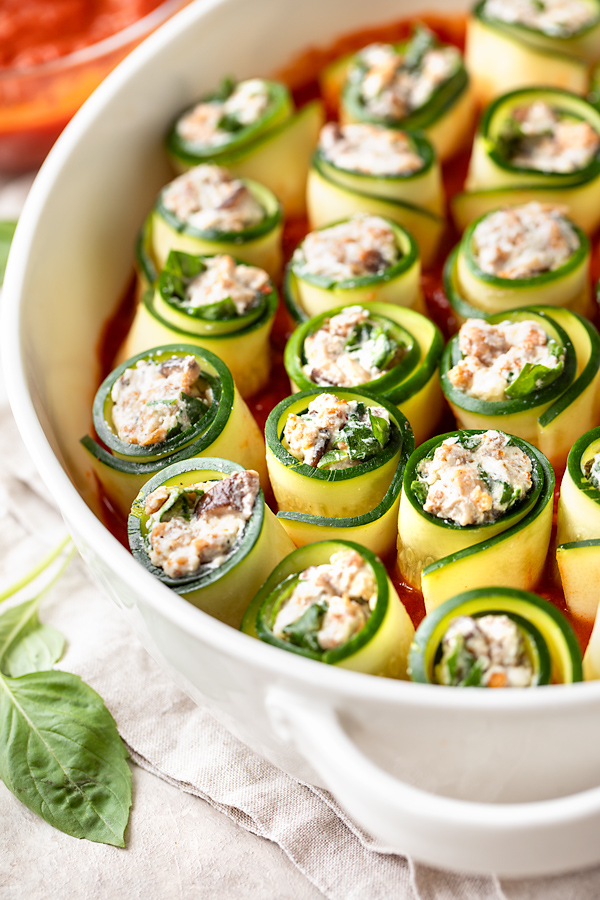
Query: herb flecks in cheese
(364, 245)
(208, 197)
(473, 479)
(153, 400)
(369, 149)
(487, 651)
(393, 84)
(337, 434)
(216, 121)
(223, 279)
(329, 604)
(198, 525)
(498, 359)
(523, 241)
(349, 349)
(539, 137)
(557, 18)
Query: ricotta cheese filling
(198, 525)
(329, 604)
(349, 349)
(494, 356)
(223, 279)
(487, 651)
(152, 400)
(394, 84)
(215, 122)
(208, 197)
(537, 136)
(369, 149)
(557, 18)
(337, 434)
(592, 471)
(363, 245)
(523, 241)
(473, 479)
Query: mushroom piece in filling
(503, 361)
(215, 122)
(557, 18)
(592, 471)
(394, 84)
(364, 245)
(153, 400)
(369, 149)
(329, 604)
(488, 651)
(473, 479)
(209, 197)
(523, 241)
(223, 279)
(349, 349)
(337, 434)
(200, 524)
(538, 136)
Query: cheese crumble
(208, 197)
(487, 651)
(363, 245)
(224, 279)
(539, 137)
(216, 122)
(557, 18)
(369, 149)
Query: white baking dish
(486, 781)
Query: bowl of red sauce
(52, 56)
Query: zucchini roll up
(206, 211)
(578, 534)
(392, 351)
(419, 84)
(387, 172)
(359, 260)
(334, 453)
(519, 256)
(202, 527)
(168, 404)
(334, 602)
(251, 127)
(216, 302)
(513, 44)
(535, 144)
(537, 368)
(495, 637)
(475, 510)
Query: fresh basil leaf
(195, 408)
(26, 645)
(422, 41)
(458, 666)
(181, 502)
(337, 454)
(468, 441)
(61, 755)
(381, 428)
(223, 92)
(7, 230)
(474, 676)
(382, 349)
(180, 269)
(303, 632)
(230, 122)
(486, 478)
(359, 335)
(533, 378)
(223, 309)
(359, 438)
(420, 489)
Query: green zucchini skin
(528, 611)
(379, 648)
(223, 592)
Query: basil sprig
(376, 347)
(303, 631)
(459, 667)
(421, 42)
(363, 435)
(60, 752)
(535, 376)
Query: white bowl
(485, 781)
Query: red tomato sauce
(302, 76)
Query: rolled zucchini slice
(379, 646)
(356, 261)
(224, 585)
(546, 403)
(347, 453)
(245, 221)
(578, 527)
(238, 335)
(478, 285)
(495, 637)
(503, 54)
(535, 144)
(253, 129)
(506, 545)
(412, 384)
(216, 422)
(388, 84)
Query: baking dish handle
(509, 839)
